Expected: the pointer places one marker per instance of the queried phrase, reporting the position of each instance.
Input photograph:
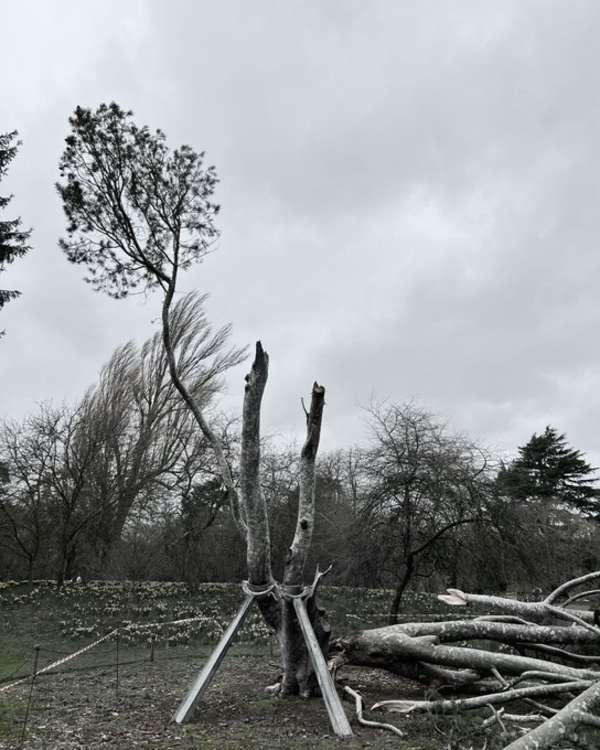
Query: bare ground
(82, 710)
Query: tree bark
(258, 537)
(298, 675)
(504, 632)
(383, 647)
(561, 724)
(400, 589)
(425, 652)
(252, 517)
(279, 613)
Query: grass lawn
(80, 705)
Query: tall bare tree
(26, 454)
(425, 483)
(47, 501)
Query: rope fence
(59, 662)
(114, 633)
(53, 668)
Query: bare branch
(358, 702)
(464, 704)
(548, 733)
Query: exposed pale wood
(381, 648)
(366, 722)
(559, 725)
(537, 611)
(506, 696)
(461, 630)
(294, 568)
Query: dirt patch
(82, 710)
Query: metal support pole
(185, 710)
(337, 715)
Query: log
(424, 651)
(542, 612)
(387, 646)
(462, 630)
(561, 724)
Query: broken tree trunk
(496, 665)
(278, 610)
(299, 675)
(385, 647)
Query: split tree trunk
(279, 613)
(251, 516)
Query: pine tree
(549, 469)
(13, 240)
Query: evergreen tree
(549, 469)
(13, 240)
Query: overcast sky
(410, 200)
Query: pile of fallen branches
(543, 656)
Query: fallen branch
(460, 655)
(581, 595)
(505, 632)
(480, 701)
(568, 585)
(365, 722)
(385, 647)
(538, 611)
(561, 724)
(497, 716)
(561, 653)
(573, 617)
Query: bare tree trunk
(409, 569)
(258, 536)
(252, 518)
(279, 613)
(212, 439)
(298, 672)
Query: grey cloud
(409, 201)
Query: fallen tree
(527, 652)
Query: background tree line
(139, 478)
(121, 484)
